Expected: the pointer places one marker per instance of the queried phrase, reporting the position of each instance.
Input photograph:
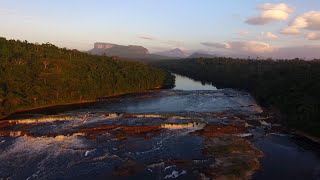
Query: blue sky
(159, 24)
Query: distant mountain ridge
(139, 52)
(203, 55)
(175, 53)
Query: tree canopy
(34, 75)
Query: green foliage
(34, 75)
(289, 86)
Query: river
(194, 131)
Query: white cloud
(269, 35)
(243, 46)
(271, 13)
(313, 36)
(309, 21)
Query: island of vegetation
(289, 87)
(34, 75)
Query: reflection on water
(192, 132)
(187, 84)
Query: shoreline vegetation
(42, 75)
(289, 88)
(21, 111)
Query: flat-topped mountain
(130, 51)
(133, 52)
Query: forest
(289, 87)
(36, 75)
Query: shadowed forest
(290, 87)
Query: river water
(194, 131)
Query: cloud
(215, 45)
(243, 46)
(252, 48)
(313, 36)
(146, 37)
(309, 21)
(269, 35)
(271, 13)
(290, 31)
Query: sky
(270, 28)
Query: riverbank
(54, 106)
